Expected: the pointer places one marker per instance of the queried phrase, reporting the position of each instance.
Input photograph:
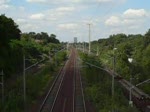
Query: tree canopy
(135, 46)
(13, 45)
(8, 31)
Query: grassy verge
(36, 84)
(97, 84)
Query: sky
(71, 18)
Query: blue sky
(69, 18)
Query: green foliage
(8, 31)
(14, 45)
(146, 59)
(60, 56)
(90, 59)
(128, 46)
(42, 37)
(36, 84)
(98, 89)
(147, 38)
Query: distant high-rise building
(75, 40)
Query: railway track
(47, 103)
(66, 93)
(80, 105)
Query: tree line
(14, 44)
(135, 46)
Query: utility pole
(24, 83)
(97, 51)
(89, 38)
(83, 46)
(24, 78)
(130, 94)
(132, 87)
(2, 84)
(67, 46)
(113, 76)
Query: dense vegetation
(132, 46)
(8, 31)
(13, 45)
(97, 84)
(114, 53)
(33, 47)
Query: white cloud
(128, 18)
(54, 1)
(29, 27)
(4, 7)
(110, 1)
(20, 20)
(77, 2)
(4, 4)
(72, 16)
(4, 1)
(113, 21)
(67, 26)
(135, 13)
(104, 0)
(58, 13)
(130, 21)
(65, 9)
(38, 16)
(21, 8)
(37, 1)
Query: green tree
(52, 39)
(8, 31)
(147, 38)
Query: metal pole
(2, 87)
(83, 46)
(113, 74)
(24, 83)
(143, 82)
(113, 84)
(89, 38)
(49, 56)
(130, 94)
(130, 97)
(97, 51)
(55, 57)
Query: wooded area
(19, 51)
(14, 44)
(122, 47)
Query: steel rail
(83, 97)
(64, 73)
(57, 93)
(74, 84)
(53, 85)
(79, 89)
